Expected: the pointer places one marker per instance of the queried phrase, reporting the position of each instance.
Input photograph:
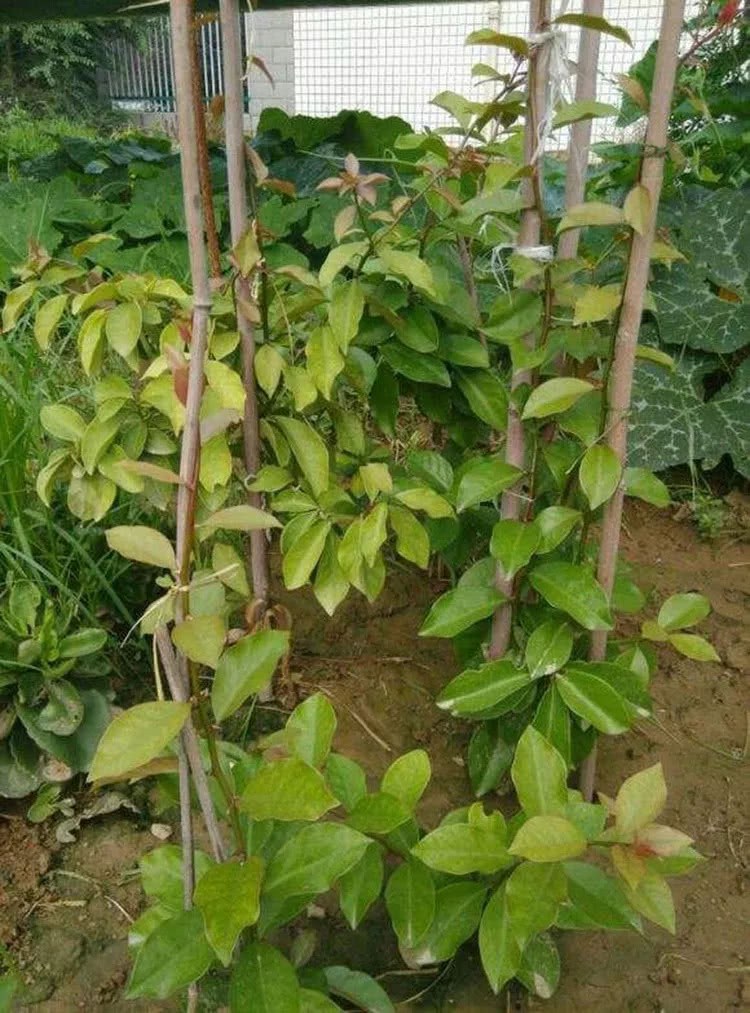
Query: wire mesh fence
(391, 60)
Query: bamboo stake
(621, 378)
(528, 235)
(201, 137)
(580, 132)
(229, 15)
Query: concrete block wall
(273, 42)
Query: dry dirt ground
(64, 909)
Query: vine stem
(528, 235)
(229, 18)
(631, 310)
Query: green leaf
(415, 366)
(548, 648)
(302, 557)
(552, 720)
(483, 480)
(594, 700)
(539, 972)
(311, 727)
(459, 609)
(229, 567)
(384, 399)
(144, 545)
(412, 541)
(653, 899)
(15, 301)
(287, 789)
(239, 518)
(555, 396)
(228, 897)
(585, 109)
(591, 213)
(96, 439)
(513, 543)
(161, 875)
(410, 266)
(548, 839)
(539, 775)
(246, 252)
(533, 897)
(246, 668)
(62, 422)
(599, 474)
(263, 980)
(694, 647)
(639, 801)
(595, 24)
(379, 813)
(312, 861)
(358, 988)
(427, 500)
(345, 312)
(137, 736)
(175, 954)
(359, 888)
(201, 639)
(555, 524)
(574, 590)
(313, 1001)
(410, 900)
(488, 37)
(487, 396)
(324, 359)
(599, 898)
(331, 586)
(478, 689)
(82, 643)
(47, 318)
(643, 484)
(461, 848)
(683, 610)
(373, 532)
(418, 329)
(498, 947)
(123, 327)
(407, 777)
(458, 910)
(346, 780)
(309, 450)
(462, 350)
(268, 366)
(339, 258)
(489, 758)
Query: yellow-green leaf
(201, 639)
(137, 736)
(142, 544)
(47, 318)
(123, 327)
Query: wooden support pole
(238, 221)
(621, 376)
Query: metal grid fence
(390, 60)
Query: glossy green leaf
(378, 813)
(302, 557)
(513, 543)
(359, 888)
(548, 839)
(478, 689)
(539, 972)
(548, 648)
(324, 359)
(458, 910)
(599, 474)
(555, 396)
(310, 729)
(498, 947)
(412, 541)
(418, 329)
(683, 610)
(694, 647)
(228, 897)
(268, 364)
(487, 395)
(410, 266)
(161, 875)
(489, 757)
(47, 319)
(427, 500)
(338, 258)
(313, 860)
(533, 896)
(598, 898)
(461, 849)
(309, 451)
(263, 981)
(407, 777)
(555, 524)
(331, 586)
(591, 213)
(574, 590)
(653, 899)
(346, 780)
(287, 789)
(410, 900)
(246, 668)
(552, 720)
(415, 366)
(345, 312)
(584, 109)
(483, 480)
(594, 700)
(644, 484)
(539, 775)
(137, 736)
(459, 609)
(358, 988)
(175, 954)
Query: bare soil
(64, 910)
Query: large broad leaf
(548, 648)
(302, 557)
(359, 888)
(137, 736)
(599, 474)
(458, 910)
(162, 875)
(573, 589)
(489, 757)
(312, 861)
(639, 801)
(483, 480)
(200, 638)
(683, 610)
(239, 518)
(533, 897)
(415, 366)
(513, 543)
(175, 954)
(487, 395)
(461, 848)
(410, 266)
(246, 668)
(379, 813)
(410, 899)
(596, 900)
(690, 312)
(310, 729)
(459, 609)
(595, 700)
(358, 988)
(144, 545)
(263, 980)
(548, 839)
(555, 396)
(653, 899)
(498, 946)
(478, 689)
(539, 972)
(555, 524)
(552, 720)
(228, 897)
(346, 780)
(309, 450)
(539, 775)
(407, 777)
(287, 789)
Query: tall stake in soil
(621, 374)
(236, 170)
(580, 132)
(201, 140)
(528, 235)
